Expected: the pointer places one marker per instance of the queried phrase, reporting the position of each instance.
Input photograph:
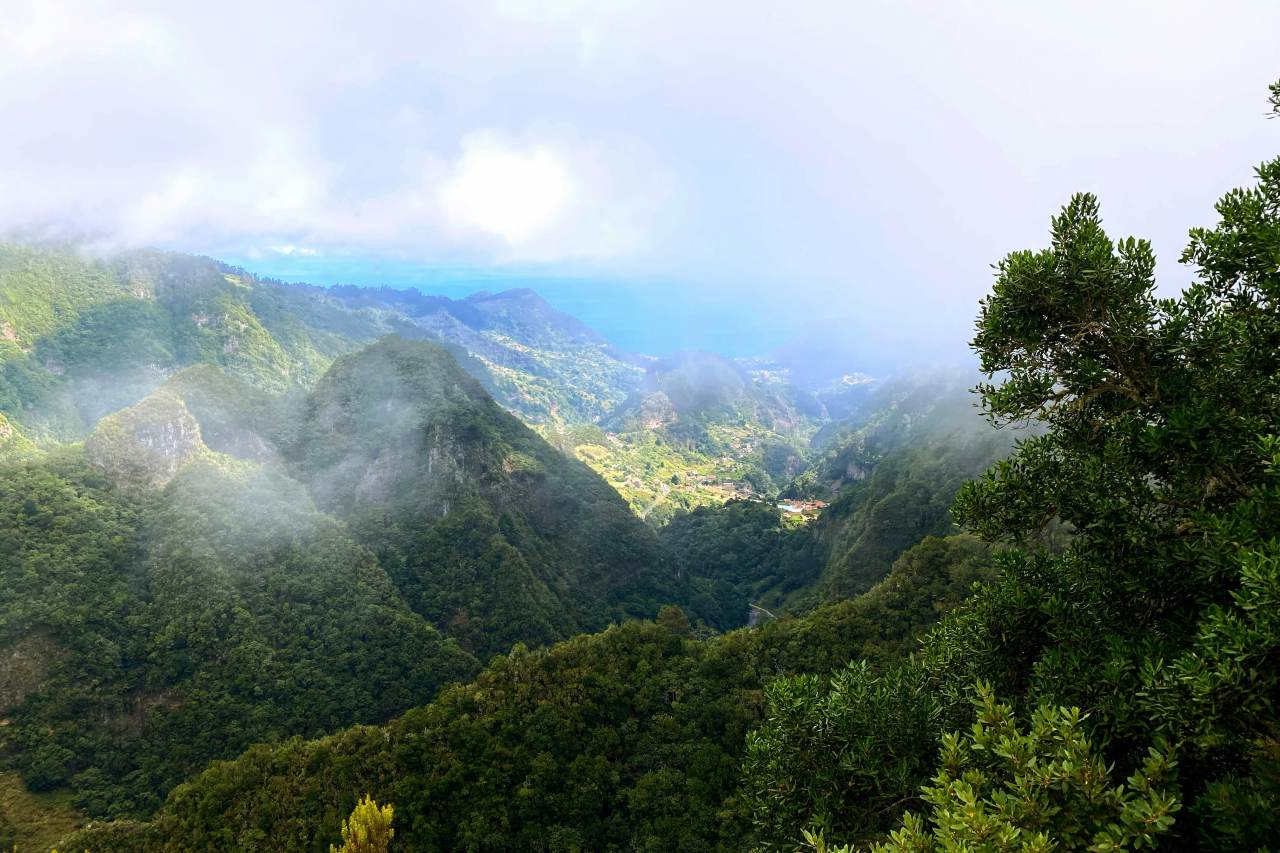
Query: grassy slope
(34, 822)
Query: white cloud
(288, 249)
(140, 123)
(514, 193)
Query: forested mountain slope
(890, 475)
(627, 739)
(216, 566)
(12, 442)
(904, 496)
(749, 556)
(152, 631)
(542, 364)
(488, 531)
(236, 556)
(89, 336)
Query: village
(738, 490)
(805, 508)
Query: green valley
(285, 567)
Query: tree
(838, 754)
(1046, 789)
(368, 830)
(1158, 453)
(674, 620)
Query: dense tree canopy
(627, 739)
(157, 631)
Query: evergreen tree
(1044, 789)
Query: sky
(725, 175)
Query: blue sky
(713, 173)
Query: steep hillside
(85, 336)
(752, 554)
(891, 474)
(46, 289)
(489, 532)
(218, 566)
(148, 632)
(910, 409)
(905, 496)
(91, 335)
(13, 443)
(148, 443)
(542, 364)
(753, 557)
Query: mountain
(542, 364)
(251, 562)
(237, 510)
(246, 510)
(162, 628)
(217, 565)
(891, 473)
(883, 481)
(89, 336)
(903, 409)
(490, 533)
(82, 336)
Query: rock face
(234, 417)
(24, 667)
(148, 443)
(656, 411)
(400, 421)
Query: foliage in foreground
(999, 788)
(1161, 619)
(1045, 789)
